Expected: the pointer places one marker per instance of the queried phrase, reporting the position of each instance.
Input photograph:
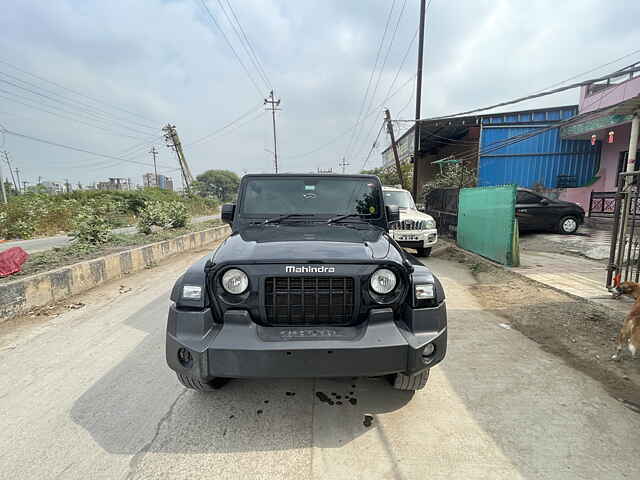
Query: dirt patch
(580, 332)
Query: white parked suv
(415, 229)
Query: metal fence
(602, 204)
(624, 253)
(442, 205)
(487, 225)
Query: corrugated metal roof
(434, 133)
(540, 159)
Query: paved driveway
(88, 395)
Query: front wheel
(200, 385)
(424, 252)
(410, 382)
(568, 225)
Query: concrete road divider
(20, 296)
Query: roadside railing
(602, 204)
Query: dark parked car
(537, 212)
(309, 284)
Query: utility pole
(416, 128)
(387, 115)
(15, 185)
(344, 164)
(154, 152)
(66, 184)
(24, 185)
(173, 141)
(4, 191)
(272, 106)
(17, 170)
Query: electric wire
(101, 128)
(373, 146)
(244, 39)
(377, 84)
(538, 95)
(72, 112)
(69, 147)
(499, 144)
(373, 70)
(84, 107)
(224, 127)
(350, 129)
(590, 70)
(402, 62)
(230, 45)
(76, 92)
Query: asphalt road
(47, 243)
(87, 395)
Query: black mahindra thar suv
(308, 284)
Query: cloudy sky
(121, 69)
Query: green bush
(25, 216)
(173, 214)
(178, 214)
(40, 214)
(153, 214)
(91, 226)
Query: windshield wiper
(284, 217)
(349, 215)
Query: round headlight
(383, 281)
(235, 281)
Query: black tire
(568, 225)
(200, 385)
(424, 252)
(410, 382)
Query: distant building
(526, 148)
(116, 184)
(164, 182)
(608, 109)
(53, 188)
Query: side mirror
(544, 201)
(228, 212)
(393, 213)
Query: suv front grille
(309, 300)
(409, 225)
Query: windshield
(401, 199)
(311, 196)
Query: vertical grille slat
(309, 300)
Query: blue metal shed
(544, 159)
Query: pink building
(614, 105)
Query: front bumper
(415, 238)
(240, 348)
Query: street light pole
(272, 106)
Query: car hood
(308, 243)
(410, 214)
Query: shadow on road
(139, 406)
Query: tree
(219, 184)
(388, 174)
(452, 175)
